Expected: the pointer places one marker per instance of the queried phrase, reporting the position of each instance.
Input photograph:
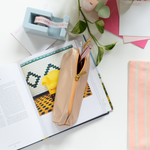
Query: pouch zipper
(77, 76)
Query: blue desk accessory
(40, 29)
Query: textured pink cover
(139, 105)
(112, 23)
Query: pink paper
(128, 39)
(112, 23)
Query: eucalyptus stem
(94, 39)
(86, 20)
(89, 21)
(81, 26)
(78, 9)
(98, 42)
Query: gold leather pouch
(70, 88)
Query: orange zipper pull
(79, 75)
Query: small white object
(81, 47)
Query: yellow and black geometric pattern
(45, 102)
(87, 91)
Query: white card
(134, 19)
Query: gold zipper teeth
(74, 87)
(79, 75)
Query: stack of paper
(129, 21)
(134, 20)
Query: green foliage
(100, 55)
(100, 26)
(99, 6)
(81, 26)
(110, 46)
(102, 10)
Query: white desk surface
(106, 133)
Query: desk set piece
(43, 23)
(89, 5)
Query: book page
(37, 66)
(96, 78)
(19, 125)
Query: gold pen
(87, 43)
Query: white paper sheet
(19, 122)
(134, 19)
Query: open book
(26, 107)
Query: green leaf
(110, 46)
(100, 55)
(100, 25)
(79, 27)
(104, 12)
(99, 6)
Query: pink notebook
(139, 105)
(112, 23)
